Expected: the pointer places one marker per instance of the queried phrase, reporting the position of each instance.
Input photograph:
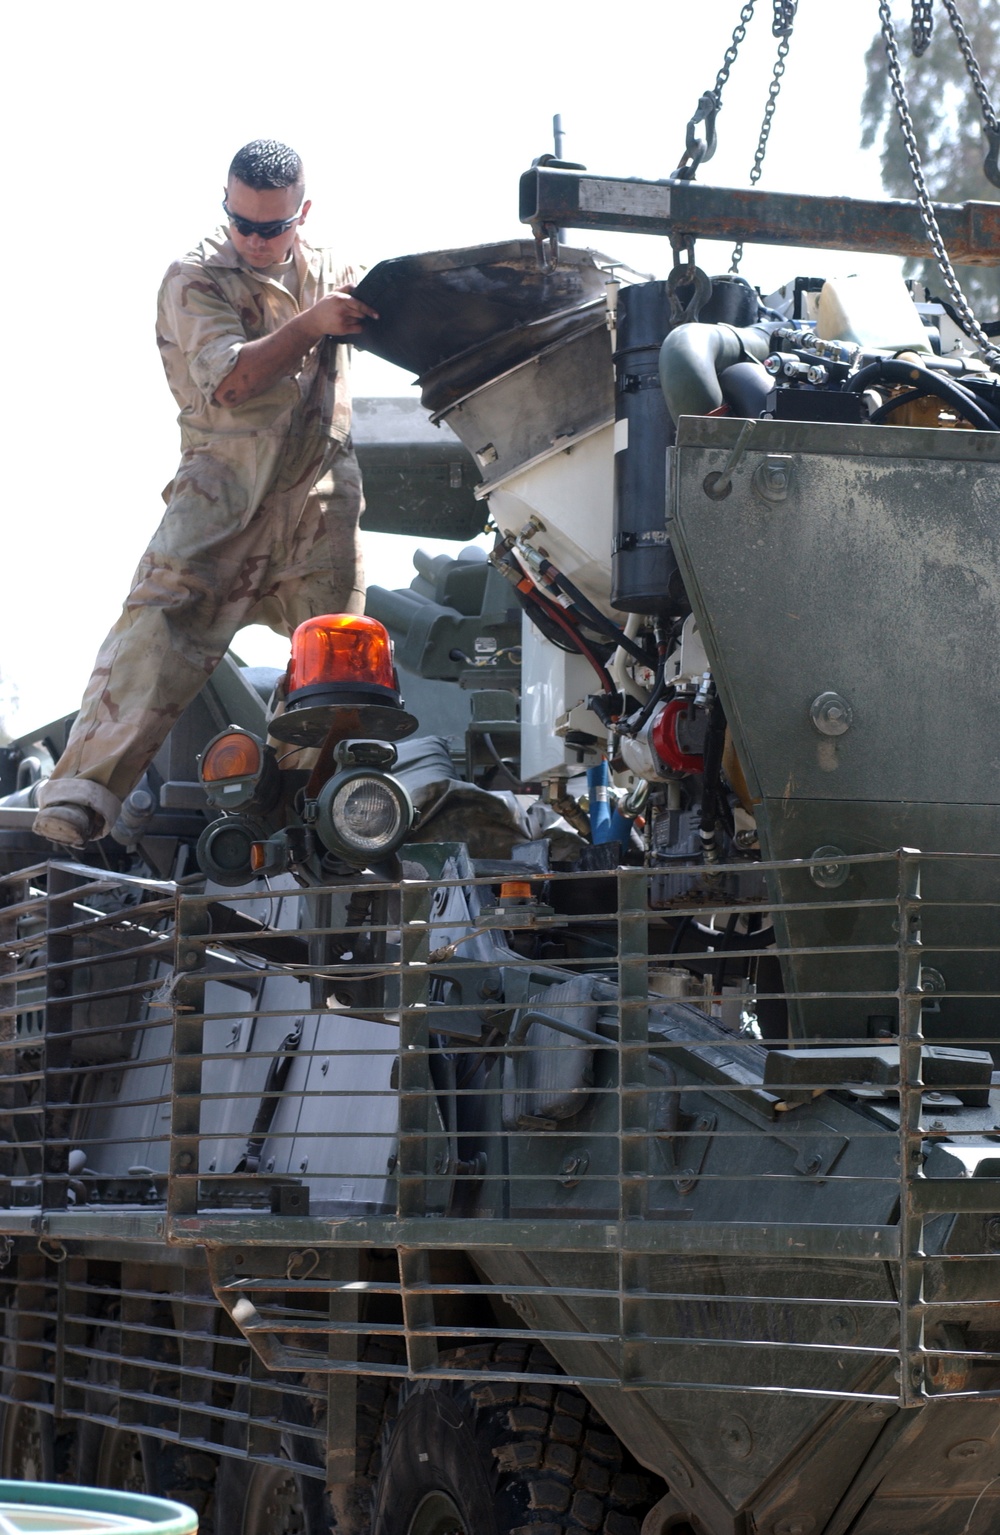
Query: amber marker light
(238, 772)
(233, 755)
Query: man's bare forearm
(263, 362)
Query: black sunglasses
(252, 227)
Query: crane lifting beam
(552, 197)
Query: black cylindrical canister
(644, 573)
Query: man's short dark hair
(266, 163)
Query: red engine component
(666, 744)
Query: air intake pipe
(693, 356)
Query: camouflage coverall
(249, 536)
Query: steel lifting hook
(697, 150)
(687, 275)
(991, 165)
(546, 246)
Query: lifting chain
(697, 149)
(921, 27)
(781, 28)
(966, 317)
(991, 125)
(784, 18)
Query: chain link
(921, 27)
(709, 104)
(971, 64)
(967, 319)
(729, 58)
(784, 17)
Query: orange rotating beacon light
(341, 683)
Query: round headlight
(363, 815)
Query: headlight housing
(238, 771)
(362, 815)
(224, 849)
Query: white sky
(414, 121)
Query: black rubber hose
(895, 403)
(886, 410)
(536, 606)
(594, 616)
(986, 401)
(660, 684)
(892, 370)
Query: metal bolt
(932, 980)
(442, 1164)
(573, 1169)
(831, 714)
(391, 1163)
(772, 478)
(303, 1165)
(827, 870)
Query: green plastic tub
(49, 1508)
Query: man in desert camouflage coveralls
(262, 517)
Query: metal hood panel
(862, 562)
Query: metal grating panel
(356, 1133)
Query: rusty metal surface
(551, 198)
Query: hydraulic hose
(892, 370)
(533, 599)
(592, 614)
(983, 391)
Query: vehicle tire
(27, 1449)
(261, 1498)
(258, 1499)
(120, 1461)
(120, 1456)
(493, 1457)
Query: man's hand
(262, 362)
(339, 314)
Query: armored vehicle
(532, 1067)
